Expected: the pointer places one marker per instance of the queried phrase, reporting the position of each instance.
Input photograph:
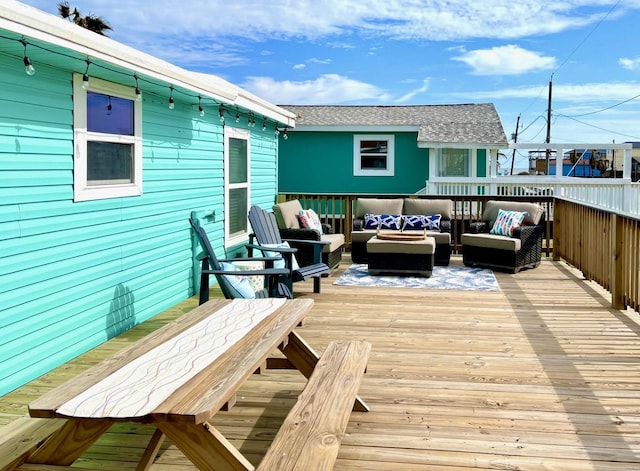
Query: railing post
(617, 263)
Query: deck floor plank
(542, 375)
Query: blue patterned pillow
(382, 221)
(240, 284)
(420, 221)
(507, 222)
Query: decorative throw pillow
(382, 221)
(309, 220)
(240, 283)
(507, 222)
(280, 263)
(420, 221)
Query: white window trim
(235, 133)
(358, 171)
(435, 168)
(81, 190)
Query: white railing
(619, 195)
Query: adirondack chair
(233, 282)
(267, 234)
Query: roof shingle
(455, 124)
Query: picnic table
(180, 376)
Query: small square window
(373, 155)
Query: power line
(588, 35)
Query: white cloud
(630, 64)
(315, 60)
(326, 89)
(505, 60)
(299, 66)
(596, 92)
(311, 19)
(408, 96)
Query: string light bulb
(285, 136)
(138, 94)
(277, 133)
(237, 117)
(200, 109)
(85, 76)
(264, 124)
(221, 113)
(28, 66)
(172, 104)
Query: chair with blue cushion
(233, 280)
(267, 235)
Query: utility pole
(548, 153)
(515, 139)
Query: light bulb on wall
(28, 66)
(221, 113)
(172, 105)
(200, 109)
(138, 94)
(85, 76)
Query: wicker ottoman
(401, 257)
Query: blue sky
(396, 52)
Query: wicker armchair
(523, 249)
(289, 225)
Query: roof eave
(30, 22)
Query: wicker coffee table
(401, 256)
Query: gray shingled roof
(460, 124)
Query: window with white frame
(237, 153)
(454, 162)
(373, 155)
(107, 122)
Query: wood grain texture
(540, 376)
(310, 437)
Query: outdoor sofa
(411, 215)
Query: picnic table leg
(68, 443)
(205, 447)
(304, 358)
(151, 451)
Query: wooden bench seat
(23, 436)
(310, 436)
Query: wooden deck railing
(337, 211)
(603, 244)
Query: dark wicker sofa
(405, 207)
(523, 249)
(289, 225)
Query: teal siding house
(386, 149)
(105, 152)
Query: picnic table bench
(180, 376)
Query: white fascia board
(458, 145)
(30, 22)
(573, 145)
(358, 129)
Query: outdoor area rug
(451, 277)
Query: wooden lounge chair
(267, 234)
(231, 280)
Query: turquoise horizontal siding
(73, 275)
(322, 162)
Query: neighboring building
(386, 149)
(104, 155)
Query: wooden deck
(542, 375)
